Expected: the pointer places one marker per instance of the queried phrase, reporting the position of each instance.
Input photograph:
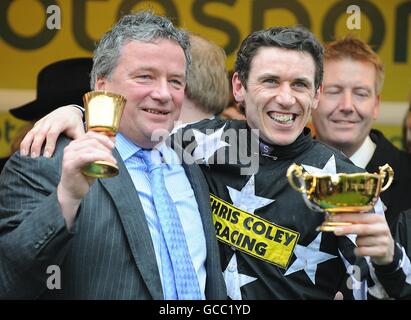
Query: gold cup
(103, 114)
(339, 193)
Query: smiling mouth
(343, 122)
(283, 118)
(156, 111)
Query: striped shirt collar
(127, 149)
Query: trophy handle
(383, 172)
(295, 171)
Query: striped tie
(178, 272)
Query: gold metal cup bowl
(339, 193)
(103, 114)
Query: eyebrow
(151, 69)
(366, 88)
(305, 80)
(267, 75)
(337, 85)
(178, 75)
(273, 76)
(139, 69)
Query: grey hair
(141, 26)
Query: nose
(161, 91)
(284, 95)
(346, 102)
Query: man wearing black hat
(61, 82)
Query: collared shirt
(363, 155)
(179, 188)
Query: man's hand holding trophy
(332, 194)
(346, 199)
(103, 114)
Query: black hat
(58, 84)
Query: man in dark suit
(102, 235)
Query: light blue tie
(179, 274)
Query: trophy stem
(329, 226)
(100, 169)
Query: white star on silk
(245, 199)
(377, 290)
(359, 288)
(208, 144)
(308, 258)
(330, 167)
(234, 280)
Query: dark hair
(293, 38)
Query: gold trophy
(103, 113)
(341, 192)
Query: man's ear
(316, 98)
(100, 84)
(238, 89)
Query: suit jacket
(396, 196)
(3, 163)
(403, 231)
(107, 255)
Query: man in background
(347, 109)
(207, 90)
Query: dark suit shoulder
(395, 197)
(386, 152)
(403, 231)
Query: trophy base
(109, 131)
(351, 209)
(100, 169)
(330, 226)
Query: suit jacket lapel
(130, 210)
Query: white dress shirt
(363, 155)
